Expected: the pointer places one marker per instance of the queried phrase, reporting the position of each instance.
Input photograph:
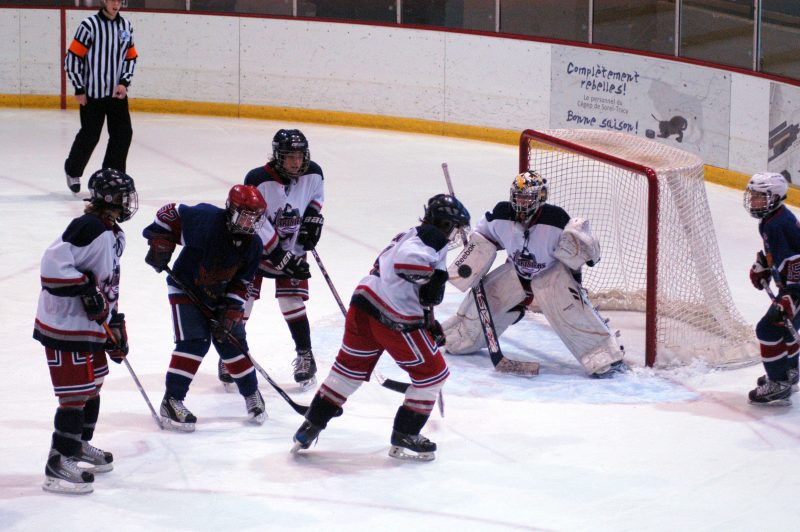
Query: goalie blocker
(562, 300)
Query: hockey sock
(321, 411)
(67, 434)
(301, 333)
(407, 421)
(91, 411)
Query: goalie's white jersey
(530, 248)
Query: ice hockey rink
(677, 449)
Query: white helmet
(765, 192)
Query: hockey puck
(464, 271)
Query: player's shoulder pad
(314, 168)
(256, 176)
(83, 230)
(431, 236)
(501, 211)
(553, 215)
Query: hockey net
(646, 202)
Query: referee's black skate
(175, 416)
(74, 183)
(415, 447)
(99, 460)
(62, 475)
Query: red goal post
(647, 205)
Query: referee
(99, 64)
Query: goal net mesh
(695, 316)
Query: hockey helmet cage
(765, 192)
(528, 194)
(245, 209)
(447, 214)
(110, 188)
(288, 141)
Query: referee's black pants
(93, 114)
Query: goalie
(546, 251)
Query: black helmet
(288, 141)
(446, 213)
(111, 188)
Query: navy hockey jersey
(781, 235)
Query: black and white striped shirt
(101, 56)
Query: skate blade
(297, 447)
(776, 402)
(99, 468)
(229, 387)
(257, 419)
(175, 426)
(306, 385)
(58, 485)
(401, 453)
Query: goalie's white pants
(562, 301)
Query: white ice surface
(652, 450)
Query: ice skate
(225, 378)
(74, 183)
(412, 447)
(305, 369)
(99, 460)
(305, 436)
(772, 393)
(613, 370)
(175, 416)
(792, 376)
(62, 475)
(256, 410)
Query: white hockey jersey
(88, 245)
(287, 201)
(530, 249)
(391, 292)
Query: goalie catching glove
(759, 271)
(310, 229)
(227, 317)
(117, 346)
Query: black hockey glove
(117, 347)
(438, 333)
(310, 229)
(432, 292)
(94, 301)
(289, 264)
(227, 317)
(785, 306)
(160, 253)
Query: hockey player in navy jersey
(292, 185)
(80, 275)
(779, 262)
(546, 251)
(221, 250)
(392, 310)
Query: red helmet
(245, 209)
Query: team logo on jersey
(526, 264)
(125, 36)
(286, 221)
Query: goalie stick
(209, 314)
(391, 384)
(135, 378)
(501, 363)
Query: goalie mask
(290, 153)
(765, 192)
(447, 214)
(528, 194)
(245, 210)
(112, 189)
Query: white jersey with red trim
(391, 291)
(87, 246)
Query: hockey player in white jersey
(292, 185)
(392, 310)
(546, 251)
(80, 275)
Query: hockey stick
(391, 384)
(113, 338)
(209, 314)
(501, 363)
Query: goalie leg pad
(504, 292)
(472, 263)
(579, 325)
